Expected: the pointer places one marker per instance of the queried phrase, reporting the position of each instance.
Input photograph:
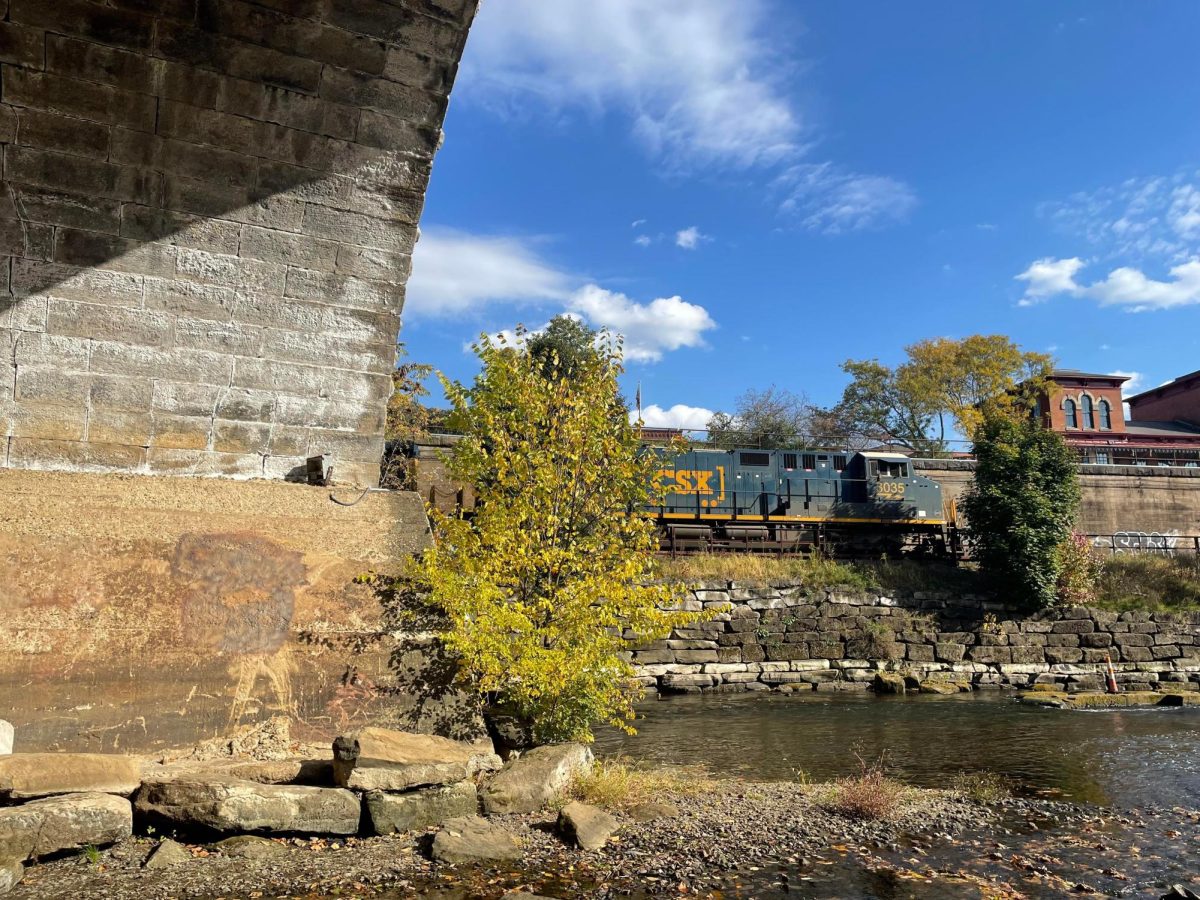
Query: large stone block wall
(206, 222)
(790, 637)
(141, 613)
(1132, 500)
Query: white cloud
(1145, 218)
(831, 200)
(690, 238)
(1125, 287)
(650, 329)
(637, 223)
(459, 273)
(1135, 383)
(643, 240)
(699, 81)
(1047, 277)
(453, 271)
(694, 418)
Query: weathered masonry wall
(1115, 499)
(148, 612)
(792, 638)
(206, 222)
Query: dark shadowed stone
(416, 810)
(377, 759)
(889, 683)
(243, 806)
(247, 846)
(586, 826)
(474, 839)
(535, 779)
(649, 812)
(167, 855)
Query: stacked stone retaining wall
(789, 637)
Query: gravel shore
(737, 828)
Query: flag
(638, 399)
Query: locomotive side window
(810, 461)
(885, 469)
(755, 459)
(789, 461)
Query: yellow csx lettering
(684, 481)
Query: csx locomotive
(837, 502)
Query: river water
(1120, 757)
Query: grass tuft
(618, 783)
(870, 795)
(982, 787)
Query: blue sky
(754, 191)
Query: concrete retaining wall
(786, 635)
(138, 613)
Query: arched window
(1069, 413)
(1105, 416)
(1089, 414)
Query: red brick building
(1163, 428)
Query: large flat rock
(535, 778)
(376, 759)
(245, 806)
(26, 776)
(68, 822)
(588, 827)
(417, 810)
(473, 839)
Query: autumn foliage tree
(551, 577)
(941, 388)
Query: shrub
(550, 578)
(1021, 506)
(869, 795)
(1078, 572)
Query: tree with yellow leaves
(551, 577)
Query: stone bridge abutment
(208, 213)
(206, 224)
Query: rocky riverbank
(738, 839)
(692, 843)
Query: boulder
(294, 770)
(246, 806)
(535, 778)
(26, 776)
(417, 810)
(474, 839)
(939, 687)
(247, 846)
(588, 827)
(6, 738)
(69, 822)
(652, 810)
(167, 855)
(11, 873)
(376, 759)
(889, 683)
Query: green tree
(407, 420)
(772, 419)
(560, 347)
(941, 387)
(551, 578)
(1021, 506)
